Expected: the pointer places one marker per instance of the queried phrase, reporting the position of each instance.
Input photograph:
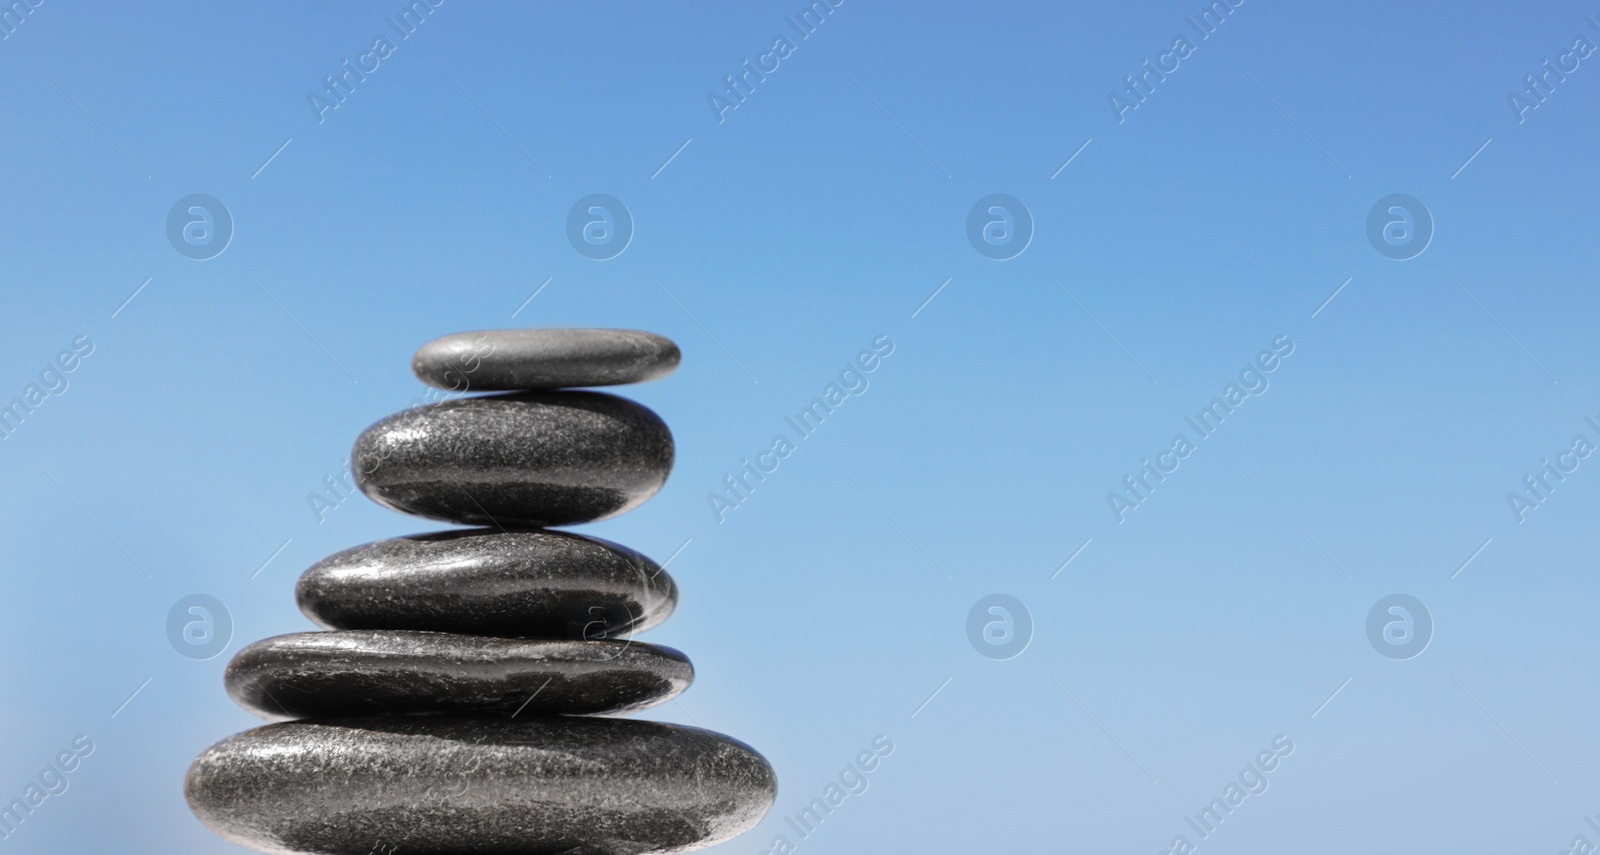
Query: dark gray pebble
(372, 672)
(502, 360)
(527, 459)
(518, 584)
(456, 784)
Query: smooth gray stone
(518, 584)
(500, 360)
(373, 672)
(445, 785)
(526, 459)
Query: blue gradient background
(1170, 651)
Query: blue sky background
(831, 607)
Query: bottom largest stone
(451, 785)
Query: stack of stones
(464, 697)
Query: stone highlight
(462, 699)
(527, 459)
(371, 672)
(445, 784)
(507, 360)
(512, 584)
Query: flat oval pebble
(527, 459)
(372, 672)
(517, 584)
(498, 360)
(457, 784)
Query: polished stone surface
(518, 584)
(517, 460)
(451, 784)
(499, 360)
(372, 672)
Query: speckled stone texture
(461, 702)
(501, 360)
(370, 672)
(519, 584)
(526, 459)
(449, 785)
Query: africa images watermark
(15, 15)
(52, 781)
(341, 484)
(1252, 382)
(404, 25)
(852, 782)
(741, 485)
(1252, 781)
(441, 795)
(1581, 844)
(1538, 87)
(1537, 488)
(732, 96)
(1151, 74)
(52, 383)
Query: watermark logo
(199, 226)
(1399, 626)
(599, 226)
(739, 87)
(16, 16)
(1399, 227)
(852, 781)
(337, 88)
(1252, 382)
(999, 627)
(738, 487)
(1539, 86)
(199, 626)
(1253, 780)
(53, 382)
(1537, 488)
(53, 780)
(999, 226)
(1139, 86)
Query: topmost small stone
(510, 360)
